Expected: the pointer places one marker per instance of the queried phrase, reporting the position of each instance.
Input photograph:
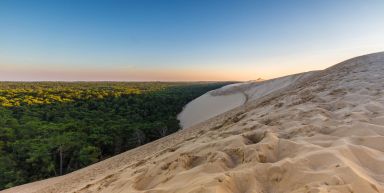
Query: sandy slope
(324, 133)
(221, 100)
(208, 106)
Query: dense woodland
(52, 128)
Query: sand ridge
(324, 133)
(228, 97)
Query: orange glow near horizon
(182, 40)
(270, 68)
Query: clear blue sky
(182, 39)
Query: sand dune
(208, 106)
(321, 132)
(231, 96)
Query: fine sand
(208, 106)
(219, 101)
(321, 133)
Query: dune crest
(315, 132)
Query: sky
(182, 40)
